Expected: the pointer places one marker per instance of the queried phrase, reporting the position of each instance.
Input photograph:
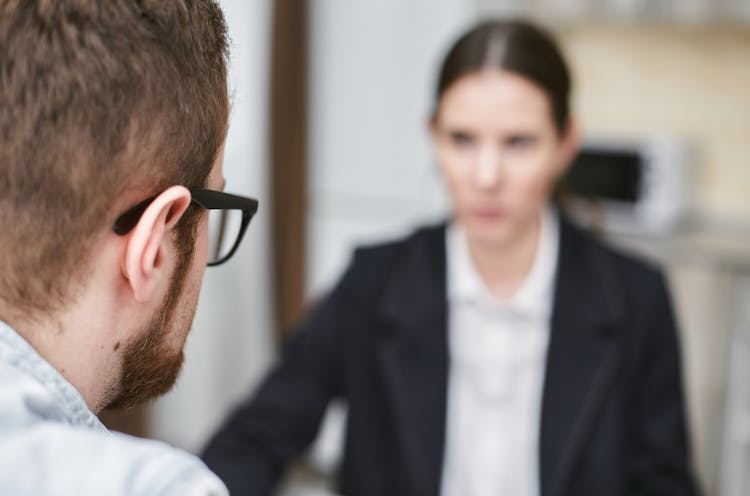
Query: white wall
(373, 66)
(230, 343)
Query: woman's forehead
(494, 95)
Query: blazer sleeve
(659, 461)
(251, 449)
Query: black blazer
(613, 419)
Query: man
(112, 121)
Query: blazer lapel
(582, 358)
(414, 356)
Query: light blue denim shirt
(52, 444)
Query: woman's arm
(659, 452)
(251, 449)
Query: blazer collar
(417, 286)
(414, 355)
(582, 357)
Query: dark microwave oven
(641, 186)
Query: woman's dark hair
(515, 46)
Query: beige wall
(694, 84)
(690, 82)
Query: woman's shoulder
(417, 254)
(424, 238)
(582, 246)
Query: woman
(506, 352)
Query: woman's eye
(460, 138)
(520, 141)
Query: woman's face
(499, 152)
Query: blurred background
(328, 129)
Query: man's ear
(142, 264)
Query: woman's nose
(489, 168)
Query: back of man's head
(102, 103)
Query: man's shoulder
(44, 453)
(76, 460)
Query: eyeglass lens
(223, 231)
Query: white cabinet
(672, 11)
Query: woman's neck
(503, 267)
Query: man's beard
(150, 368)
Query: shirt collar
(18, 353)
(534, 296)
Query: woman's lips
(488, 213)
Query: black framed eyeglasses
(228, 218)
